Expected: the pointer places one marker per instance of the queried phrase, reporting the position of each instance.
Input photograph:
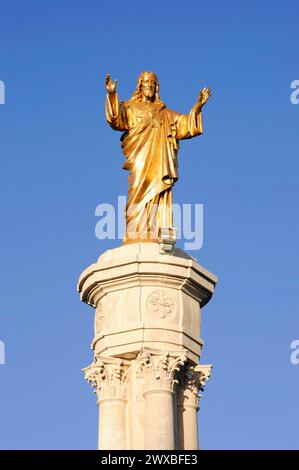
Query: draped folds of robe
(150, 145)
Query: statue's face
(148, 86)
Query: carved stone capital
(192, 380)
(159, 369)
(203, 373)
(107, 376)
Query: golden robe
(150, 144)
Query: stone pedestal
(147, 345)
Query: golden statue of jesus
(150, 145)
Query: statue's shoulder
(126, 104)
(130, 105)
(172, 115)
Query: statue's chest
(147, 114)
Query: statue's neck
(147, 100)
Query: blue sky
(59, 160)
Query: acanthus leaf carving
(192, 381)
(107, 376)
(160, 370)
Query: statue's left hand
(203, 96)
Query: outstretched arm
(190, 125)
(115, 111)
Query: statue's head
(147, 87)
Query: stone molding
(140, 264)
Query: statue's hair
(137, 95)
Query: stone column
(108, 377)
(159, 373)
(192, 381)
(112, 424)
(148, 302)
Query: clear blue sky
(59, 160)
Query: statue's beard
(149, 94)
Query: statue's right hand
(110, 86)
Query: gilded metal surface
(150, 143)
